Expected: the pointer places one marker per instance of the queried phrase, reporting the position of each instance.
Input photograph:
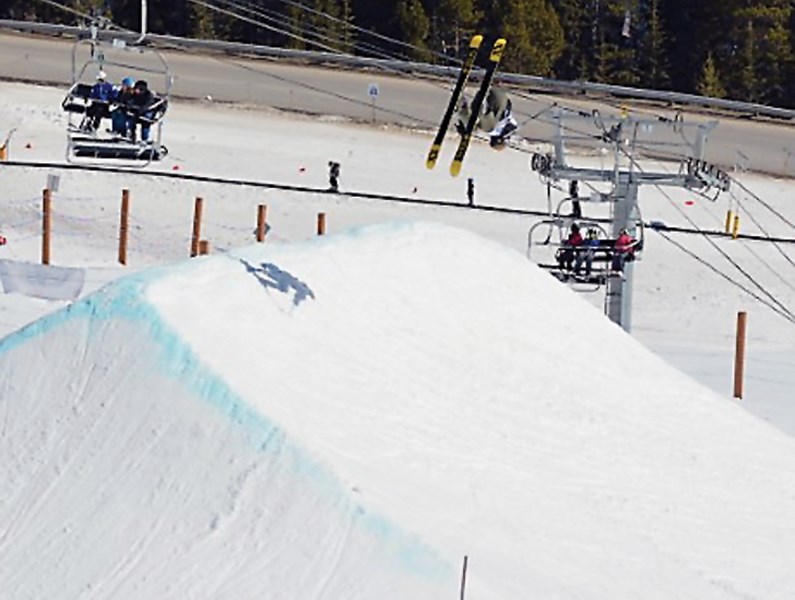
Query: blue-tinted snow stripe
(124, 299)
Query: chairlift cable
(373, 49)
(743, 187)
(315, 30)
(398, 113)
(240, 17)
(716, 247)
(766, 237)
(781, 312)
(777, 246)
(326, 47)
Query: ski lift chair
(83, 142)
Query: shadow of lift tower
(625, 134)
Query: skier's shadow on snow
(270, 276)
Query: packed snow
(351, 415)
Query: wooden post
(46, 226)
(729, 220)
(197, 227)
(204, 247)
(736, 226)
(321, 223)
(463, 578)
(262, 211)
(739, 355)
(124, 226)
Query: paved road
(402, 99)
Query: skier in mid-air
(496, 118)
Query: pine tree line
(740, 49)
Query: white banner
(41, 281)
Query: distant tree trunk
(414, 25)
(653, 60)
(575, 61)
(453, 24)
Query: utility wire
(780, 307)
(367, 31)
(783, 312)
(309, 29)
(585, 135)
(743, 187)
(283, 32)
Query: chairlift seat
(117, 148)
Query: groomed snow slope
(347, 417)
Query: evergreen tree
(576, 59)
(331, 21)
(453, 23)
(617, 39)
(696, 29)
(762, 35)
(296, 20)
(347, 33)
(709, 83)
(746, 85)
(414, 26)
(201, 22)
(652, 59)
(535, 38)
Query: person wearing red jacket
(624, 250)
(570, 246)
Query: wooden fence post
(464, 578)
(124, 226)
(197, 227)
(321, 223)
(262, 211)
(204, 247)
(46, 226)
(739, 355)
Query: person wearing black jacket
(139, 106)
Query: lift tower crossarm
(622, 134)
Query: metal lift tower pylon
(622, 135)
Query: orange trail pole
(739, 355)
(262, 212)
(46, 226)
(124, 226)
(197, 227)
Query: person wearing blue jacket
(122, 96)
(101, 96)
(586, 255)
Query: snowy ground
(349, 416)
(682, 311)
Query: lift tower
(624, 135)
